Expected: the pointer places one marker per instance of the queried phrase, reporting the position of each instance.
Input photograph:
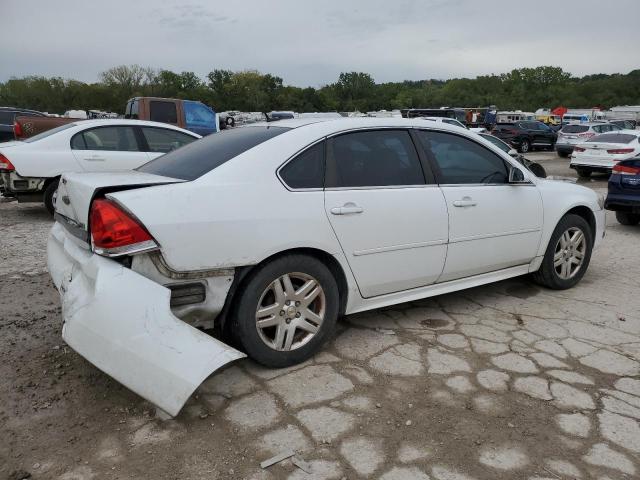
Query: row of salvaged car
(268, 233)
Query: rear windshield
(613, 138)
(48, 133)
(575, 129)
(200, 157)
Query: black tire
(563, 153)
(626, 218)
(244, 315)
(583, 172)
(525, 146)
(552, 147)
(547, 274)
(48, 196)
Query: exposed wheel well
(49, 181)
(243, 273)
(587, 214)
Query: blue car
(624, 191)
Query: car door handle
(347, 209)
(95, 158)
(465, 202)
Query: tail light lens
(626, 170)
(17, 130)
(5, 164)
(617, 151)
(115, 232)
(579, 149)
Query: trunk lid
(77, 190)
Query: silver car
(574, 133)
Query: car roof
(123, 121)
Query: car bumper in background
(122, 323)
(621, 202)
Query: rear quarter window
(200, 157)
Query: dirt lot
(504, 381)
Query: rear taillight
(116, 232)
(5, 164)
(17, 130)
(618, 151)
(578, 149)
(626, 170)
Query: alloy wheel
(290, 311)
(569, 253)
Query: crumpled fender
(121, 322)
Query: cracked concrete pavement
(504, 381)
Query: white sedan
(273, 231)
(602, 152)
(30, 169)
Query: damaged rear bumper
(122, 323)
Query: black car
(7, 116)
(525, 135)
(623, 196)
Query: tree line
(525, 89)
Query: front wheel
(568, 254)
(583, 172)
(525, 146)
(287, 310)
(626, 218)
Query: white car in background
(575, 133)
(271, 232)
(602, 152)
(30, 168)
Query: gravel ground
(503, 381)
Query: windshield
(200, 157)
(48, 133)
(613, 138)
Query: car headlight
(601, 201)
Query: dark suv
(525, 135)
(7, 116)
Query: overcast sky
(309, 42)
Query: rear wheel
(563, 153)
(49, 196)
(568, 254)
(626, 218)
(583, 172)
(287, 310)
(525, 146)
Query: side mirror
(513, 152)
(516, 176)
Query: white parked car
(30, 168)
(576, 133)
(602, 152)
(273, 231)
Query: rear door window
(115, 139)
(377, 158)
(164, 140)
(305, 170)
(164, 112)
(194, 160)
(6, 118)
